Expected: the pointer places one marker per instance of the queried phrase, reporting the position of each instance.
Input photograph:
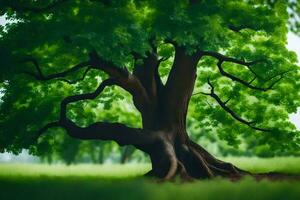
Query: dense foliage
(56, 35)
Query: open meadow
(110, 181)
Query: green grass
(27, 181)
(107, 171)
(289, 165)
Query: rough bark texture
(172, 152)
(163, 108)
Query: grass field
(32, 181)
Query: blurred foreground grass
(32, 181)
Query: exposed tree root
(196, 163)
(173, 161)
(190, 162)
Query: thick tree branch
(108, 67)
(120, 133)
(80, 79)
(93, 95)
(63, 106)
(231, 112)
(179, 86)
(248, 84)
(146, 69)
(123, 78)
(41, 77)
(224, 58)
(221, 58)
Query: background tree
(222, 65)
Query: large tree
(224, 61)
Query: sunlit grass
(290, 165)
(83, 170)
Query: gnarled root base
(190, 161)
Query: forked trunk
(163, 108)
(172, 153)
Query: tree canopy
(247, 80)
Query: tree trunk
(171, 157)
(189, 160)
(163, 109)
(172, 152)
